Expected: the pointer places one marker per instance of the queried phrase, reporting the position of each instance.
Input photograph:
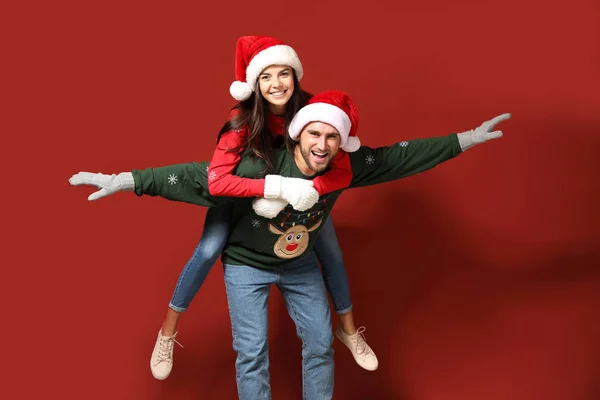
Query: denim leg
(217, 226)
(304, 292)
(247, 298)
(329, 253)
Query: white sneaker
(161, 361)
(363, 354)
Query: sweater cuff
(272, 186)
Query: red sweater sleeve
(221, 181)
(338, 177)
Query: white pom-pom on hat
(240, 90)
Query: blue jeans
(329, 254)
(217, 227)
(303, 289)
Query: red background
(479, 279)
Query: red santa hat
(255, 53)
(334, 108)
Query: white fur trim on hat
(322, 112)
(240, 90)
(352, 144)
(280, 54)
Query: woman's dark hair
(253, 113)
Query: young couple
(293, 154)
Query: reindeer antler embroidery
(290, 217)
(292, 242)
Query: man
(262, 252)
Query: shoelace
(361, 342)
(165, 349)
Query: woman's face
(276, 84)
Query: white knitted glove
(108, 184)
(482, 134)
(300, 193)
(268, 208)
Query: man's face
(319, 144)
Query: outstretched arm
(189, 183)
(181, 182)
(371, 166)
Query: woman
(268, 73)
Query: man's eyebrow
(314, 131)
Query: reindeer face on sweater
(292, 242)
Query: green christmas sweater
(267, 243)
